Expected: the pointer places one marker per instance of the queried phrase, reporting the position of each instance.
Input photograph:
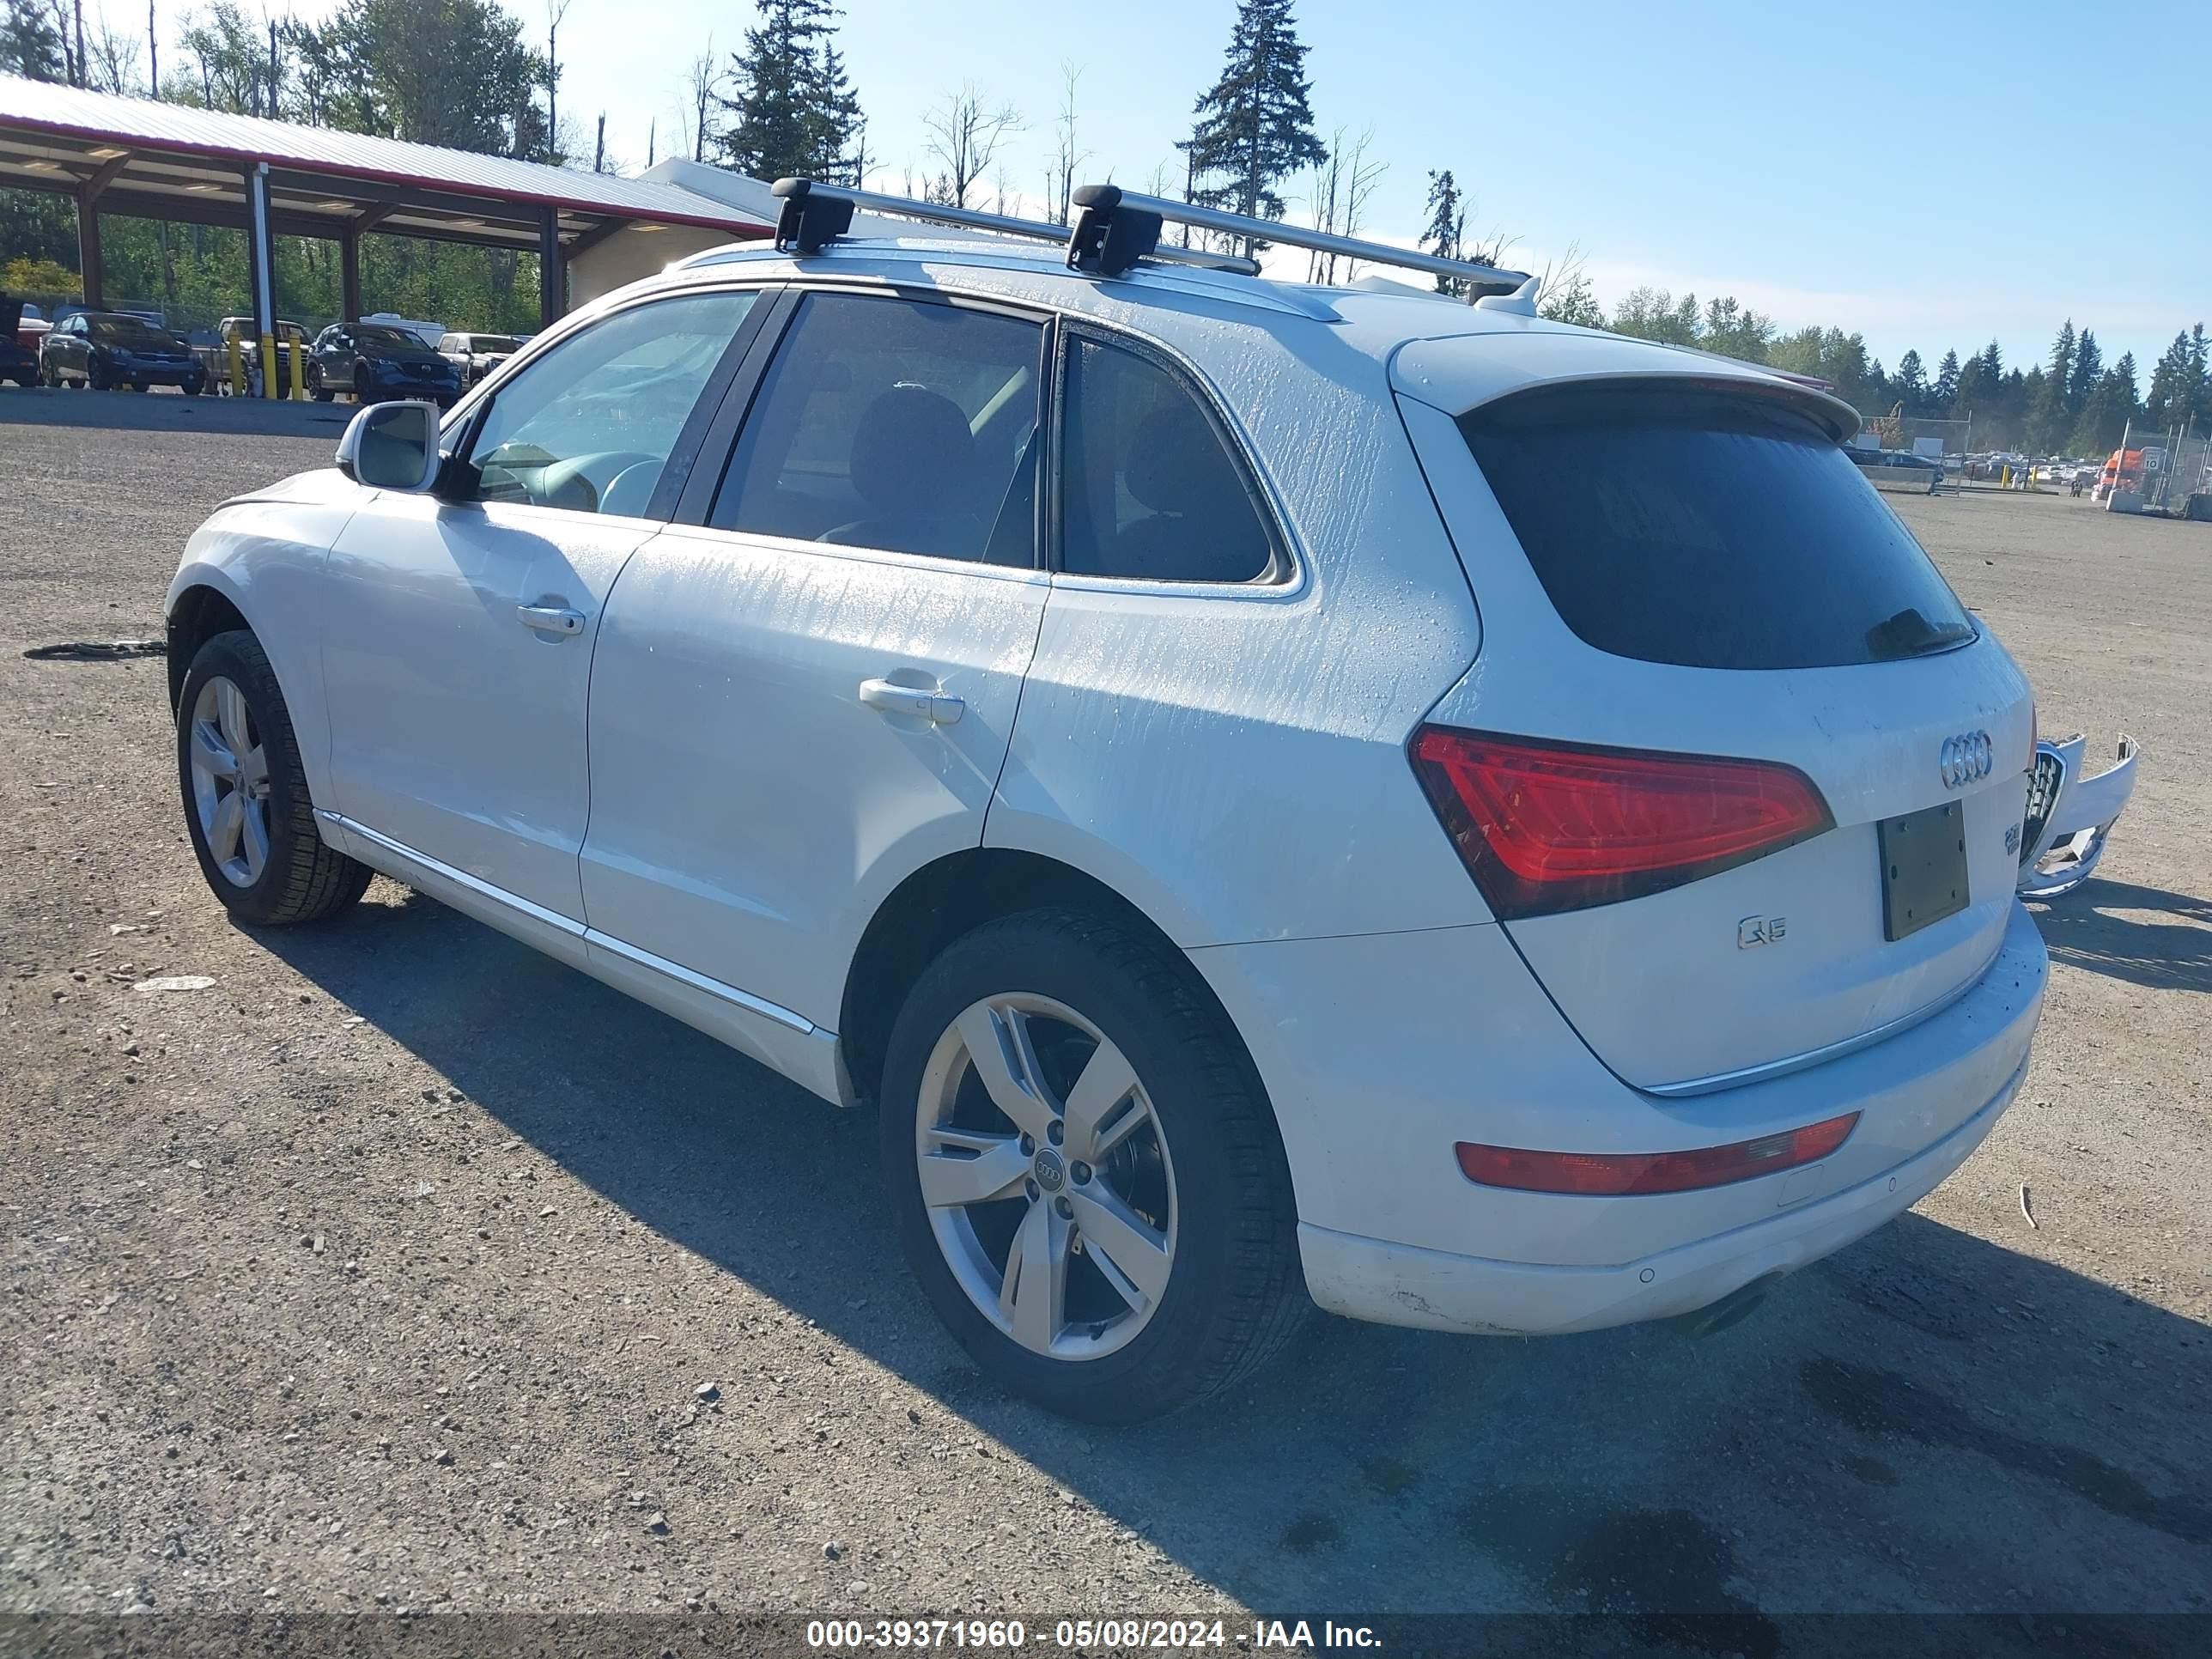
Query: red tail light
(1544, 827)
(1623, 1174)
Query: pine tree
(793, 113)
(1946, 389)
(2200, 380)
(2048, 418)
(1447, 227)
(28, 43)
(1911, 382)
(2171, 387)
(2088, 372)
(1255, 126)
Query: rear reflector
(1623, 1174)
(1544, 827)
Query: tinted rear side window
(1679, 525)
(1148, 489)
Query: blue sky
(1929, 175)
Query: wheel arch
(198, 611)
(952, 895)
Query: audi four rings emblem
(1965, 759)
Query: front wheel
(1084, 1172)
(322, 393)
(246, 806)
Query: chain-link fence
(1933, 439)
(2165, 469)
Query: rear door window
(1711, 529)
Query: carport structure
(141, 159)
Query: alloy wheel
(1046, 1177)
(230, 781)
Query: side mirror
(393, 447)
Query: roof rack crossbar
(815, 214)
(1111, 199)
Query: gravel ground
(403, 1268)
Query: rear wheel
(246, 806)
(1085, 1176)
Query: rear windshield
(1681, 524)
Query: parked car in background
(477, 355)
(374, 360)
(1898, 468)
(18, 350)
(1602, 956)
(105, 350)
(290, 337)
(428, 333)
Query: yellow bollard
(268, 367)
(237, 367)
(299, 372)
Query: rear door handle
(555, 619)
(891, 698)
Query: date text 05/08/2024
(1165, 1634)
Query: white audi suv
(1276, 794)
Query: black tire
(1235, 1296)
(141, 385)
(193, 388)
(96, 377)
(322, 393)
(304, 879)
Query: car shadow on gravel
(1879, 1417)
(2146, 936)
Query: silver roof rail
(1115, 229)
(815, 214)
(1112, 202)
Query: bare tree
(114, 65)
(556, 11)
(1344, 182)
(1360, 178)
(965, 135)
(1327, 188)
(1066, 157)
(861, 153)
(702, 81)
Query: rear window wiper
(1908, 634)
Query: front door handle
(555, 619)
(889, 697)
